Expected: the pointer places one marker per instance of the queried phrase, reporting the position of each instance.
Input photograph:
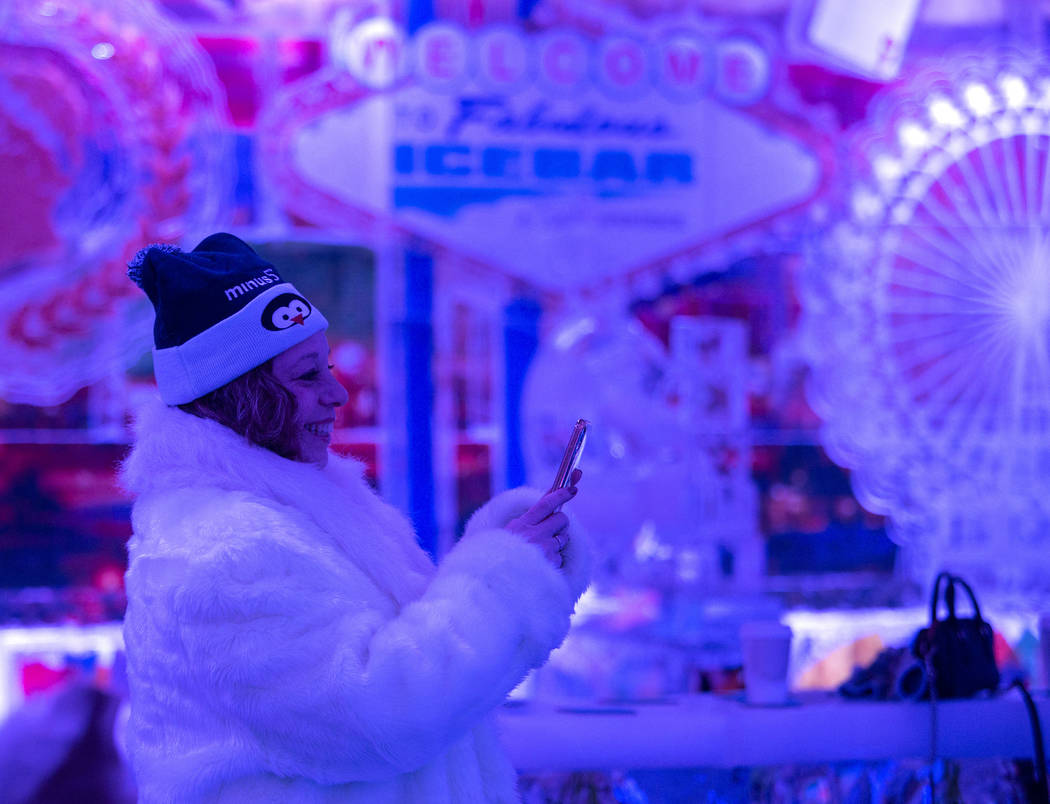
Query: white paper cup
(765, 647)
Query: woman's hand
(545, 525)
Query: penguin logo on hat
(285, 311)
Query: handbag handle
(949, 596)
(937, 593)
(973, 598)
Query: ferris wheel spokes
(938, 254)
(975, 381)
(985, 205)
(961, 227)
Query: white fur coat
(288, 641)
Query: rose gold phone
(570, 459)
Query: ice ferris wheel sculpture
(927, 323)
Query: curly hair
(256, 406)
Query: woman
(287, 638)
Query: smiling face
(304, 370)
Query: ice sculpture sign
(669, 457)
(554, 157)
(110, 124)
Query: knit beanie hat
(221, 310)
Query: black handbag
(959, 655)
(958, 651)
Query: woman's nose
(335, 393)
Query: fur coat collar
(174, 449)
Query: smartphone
(570, 459)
